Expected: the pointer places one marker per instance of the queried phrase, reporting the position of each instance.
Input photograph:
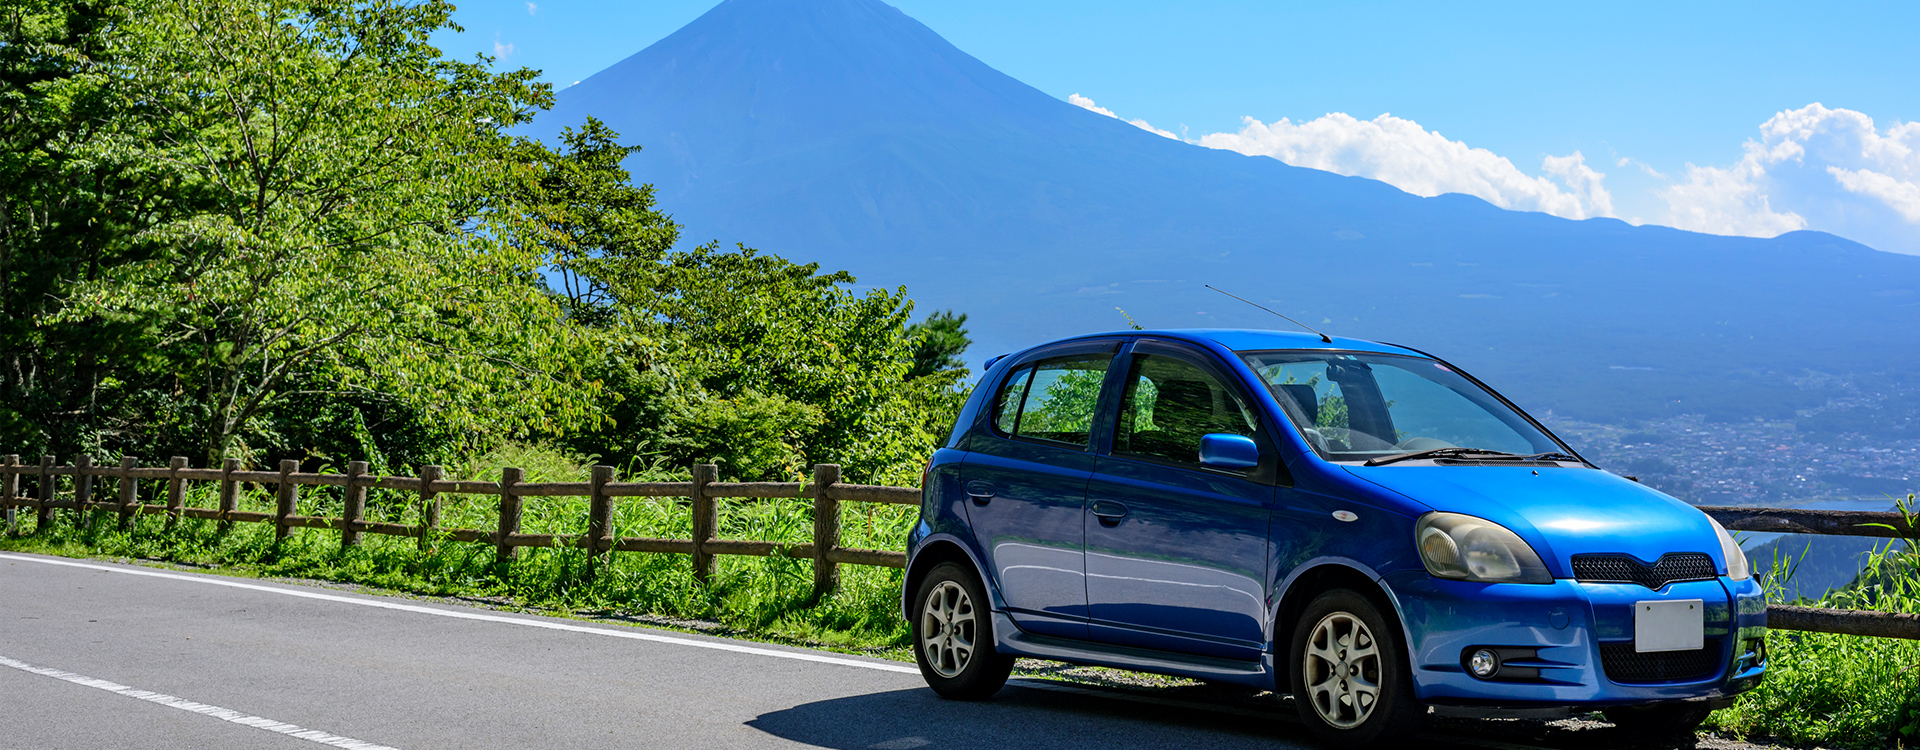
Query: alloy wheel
(1342, 670)
(947, 629)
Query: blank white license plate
(1678, 625)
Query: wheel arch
(932, 552)
(1317, 577)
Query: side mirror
(1222, 450)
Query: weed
(1829, 688)
(766, 596)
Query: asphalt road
(110, 656)
(97, 656)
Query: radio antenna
(1323, 337)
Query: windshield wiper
(1555, 456)
(1439, 453)
(1477, 452)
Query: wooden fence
(826, 492)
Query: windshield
(1359, 407)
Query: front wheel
(953, 637)
(1349, 673)
(1660, 719)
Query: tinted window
(1169, 404)
(1006, 406)
(1052, 400)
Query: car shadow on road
(1035, 716)
(1018, 717)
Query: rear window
(1052, 400)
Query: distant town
(1857, 452)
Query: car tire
(953, 635)
(1349, 673)
(1660, 719)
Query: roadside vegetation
(1829, 689)
(761, 597)
(266, 230)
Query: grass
(1823, 688)
(764, 597)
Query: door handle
(1109, 512)
(980, 492)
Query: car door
(1026, 481)
(1176, 551)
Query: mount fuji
(845, 132)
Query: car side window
(1006, 405)
(1169, 403)
(1053, 400)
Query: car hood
(1560, 511)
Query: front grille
(1617, 568)
(1623, 664)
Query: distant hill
(844, 132)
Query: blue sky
(1663, 85)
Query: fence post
(429, 506)
(356, 504)
(826, 530)
(503, 552)
(289, 499)
(706, 521)
(599, 518)
(129, 492)
(82, 488)
(44, 519)
(176, 490)
(13, 492)
(229, 493)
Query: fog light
(1484, 663)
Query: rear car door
(1026, 482)
(1176, 551)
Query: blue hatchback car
(1360, 525)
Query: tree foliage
(260, 228)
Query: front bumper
(1555, 635)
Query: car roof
(1252, 339)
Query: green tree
(75, 193)
(329, 224)
(938, 343)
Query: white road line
(278, 727)
(637, 635)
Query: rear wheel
(1349, 673)
(1660, 719)
(953, 636)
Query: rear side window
(1169, 404)
(1052, 400)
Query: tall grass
(1827, 688)
(764, 596)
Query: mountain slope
(844, 132)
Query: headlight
(1736, 558)
(1475, 549)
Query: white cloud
(501, 50)
(1812, 168)
(532, 9)
(1088, 105)
(1399, 152)
(1727, 201)
(1903, 197)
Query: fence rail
(826, 492)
